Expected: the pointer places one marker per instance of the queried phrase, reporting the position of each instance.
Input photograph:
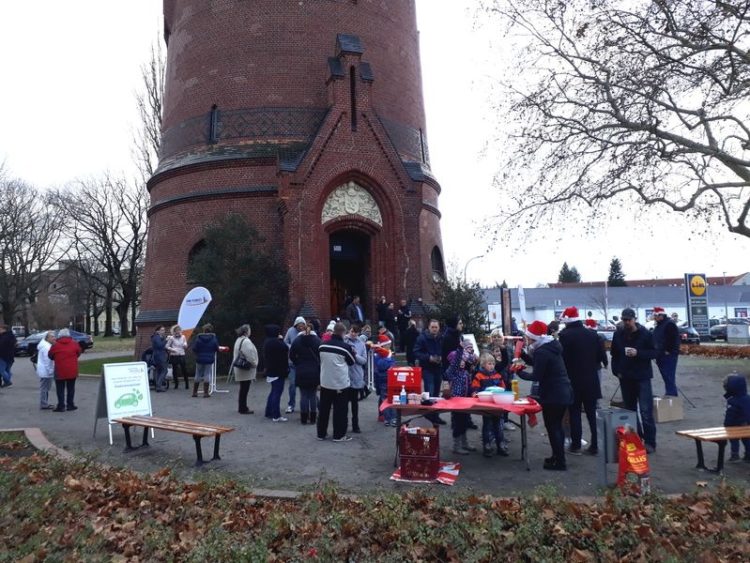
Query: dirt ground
(287, 456)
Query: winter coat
(402, 318)
(176, 345)
(305, 357)
(45, 367)
(409, 340)
(335, 358)
(666, 338)
(427, 346)
(353, 312)
(205, 347)
(738, 401)
(638, 367)
(356, 370)
(483, 379)
(7, 346)
(275, 353)
(250, 353)
(450, 342)
(158, 349)
(549, 371)
(583, 354)
(459, 372)
(65, 354)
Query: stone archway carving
(351, 199)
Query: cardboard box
(667, 409)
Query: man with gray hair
(335, 358)
(65, 354)
(45, 369)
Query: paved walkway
(270, 455)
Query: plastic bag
(633, 471)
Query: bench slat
(182, 426)
(716, 434)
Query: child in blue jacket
(737, 413)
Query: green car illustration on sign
(129, 399)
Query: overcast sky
(70, 70)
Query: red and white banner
(447, 474)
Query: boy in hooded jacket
(492, 430)
(737, 413)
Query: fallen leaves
(67, 510)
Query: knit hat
(570, 315)
(299, 321)
(330, 326)
(659, 311)
(591, 323)
(536, 330)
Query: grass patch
(113, 344)
(12, 437)
(94, 366)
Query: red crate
(408, 377)
(419, 442)
(419, 468)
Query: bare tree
(147, 139)
(630, 102)
(29, 233)
(110, 224)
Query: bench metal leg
(525, 442)
(198, 451)
(128, 442)
(145, 436)
(720, 463)
(701, 462)
(217, 439)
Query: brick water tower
(306, 117)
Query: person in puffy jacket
(64, 352)
(305, 356)
(737, 413)
(159, 358)
(276, 360)
(555, 390)
(204, 347)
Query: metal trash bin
(608, 420)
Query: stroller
(148, 358)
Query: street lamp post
(726, 308)
(469, 261)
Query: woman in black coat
(555, 391)
(305, 356)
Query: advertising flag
(194, 304)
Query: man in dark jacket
(583, 353)
(354, 312)
(382, 310)
(632, 351)
(667, 344)
(7, 354)
(428, 351)
(403, 316)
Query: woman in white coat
(45, 369)
(244, 346)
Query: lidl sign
(696, 289)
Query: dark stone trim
(419, 173)
(432, 209)
(351, 44)
(157, 316)
(365, 72)
(213, 194)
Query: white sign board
(127, 389)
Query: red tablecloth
(466, 404)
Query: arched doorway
(349, 256)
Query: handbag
(240, 362)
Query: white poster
(194, 304)
(127, 389)
(522, 307)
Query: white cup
(396, 399)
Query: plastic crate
(408, 377)
(419, 468)
(416, 441)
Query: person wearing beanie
(276, 360)
(463, 362)
(328, 332)
(204, 347)
(295, 330)
(583, 354)
(667, 344)
(555, 391)
(64, 352)
(632, 351)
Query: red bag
(633, 472)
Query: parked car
(606, 329)
(27, 346)
(688, 335)
(718, 332)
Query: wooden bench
(197, 429)
(718, 435)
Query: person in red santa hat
(383, 360)
(583, 354)
(667, 344)
(555, 391)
